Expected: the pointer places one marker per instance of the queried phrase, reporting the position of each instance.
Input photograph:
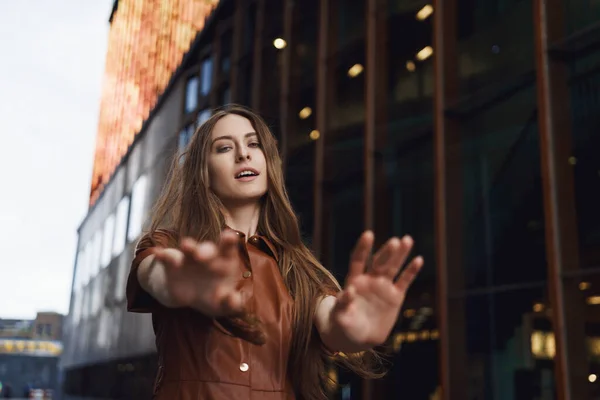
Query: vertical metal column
(376, 96)
(236, 51)
(448, 206)
(288, 59)
(321, 106)
(215, 87)
(562, 242)
(257, 57)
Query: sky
(51, 69)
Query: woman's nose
(243, 154)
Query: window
(97, 294)
(95, 256)
(78, 284)
(121, 227)
(109, 230)
(138, 210)
(77, 306)
(207, 65)
(191, 94)
(202, 117)
(121, 280)
(87, 255)
(184, 137)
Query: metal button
(247, 274)
(244, 367)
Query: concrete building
(470, 125)
(29, 353)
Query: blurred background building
(29, 354)
(470, 124)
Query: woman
(241, 308)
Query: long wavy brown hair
(188, 206)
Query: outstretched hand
(367, 309)
(204, 276)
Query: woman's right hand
(204, 275)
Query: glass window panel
(495, 43)
(351, 21)
(87, 256)
(510, 347)
(203, 116)
(138, 208)
(579, 15)
(96, 250)
(79, 270)
(191, 94)
(584, 85)
(121, 282)
(109, 230)
(185, 136)
(77, 306)
(207, 66)
(85, 307)
(97, 289)
(502, 194)
(121, 227)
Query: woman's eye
(223, 149)
(254, 144)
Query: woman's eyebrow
(229, 137)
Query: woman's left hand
(367, 309)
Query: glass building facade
(469, 124)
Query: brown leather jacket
(198, 357)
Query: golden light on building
(424, 12)
(305, 113)
(425, 53)
(592, 378)
(409, 313)
(538, 307)
(279, 43)
(410, 66)
(355, 70)
(314, 135)
(584, 285)
(593, 300)
(146, 43)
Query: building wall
(98, 328)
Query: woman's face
(237, 168)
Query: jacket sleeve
(138, 300)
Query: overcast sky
(51, 65)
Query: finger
(385, 261)
(398, 251)
(409, 274)
(346, 296)
(233, 303)
(399, 257)
(198, 252)
(171, 258)
(228, 245)
(360, 254)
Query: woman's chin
(247, 198)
